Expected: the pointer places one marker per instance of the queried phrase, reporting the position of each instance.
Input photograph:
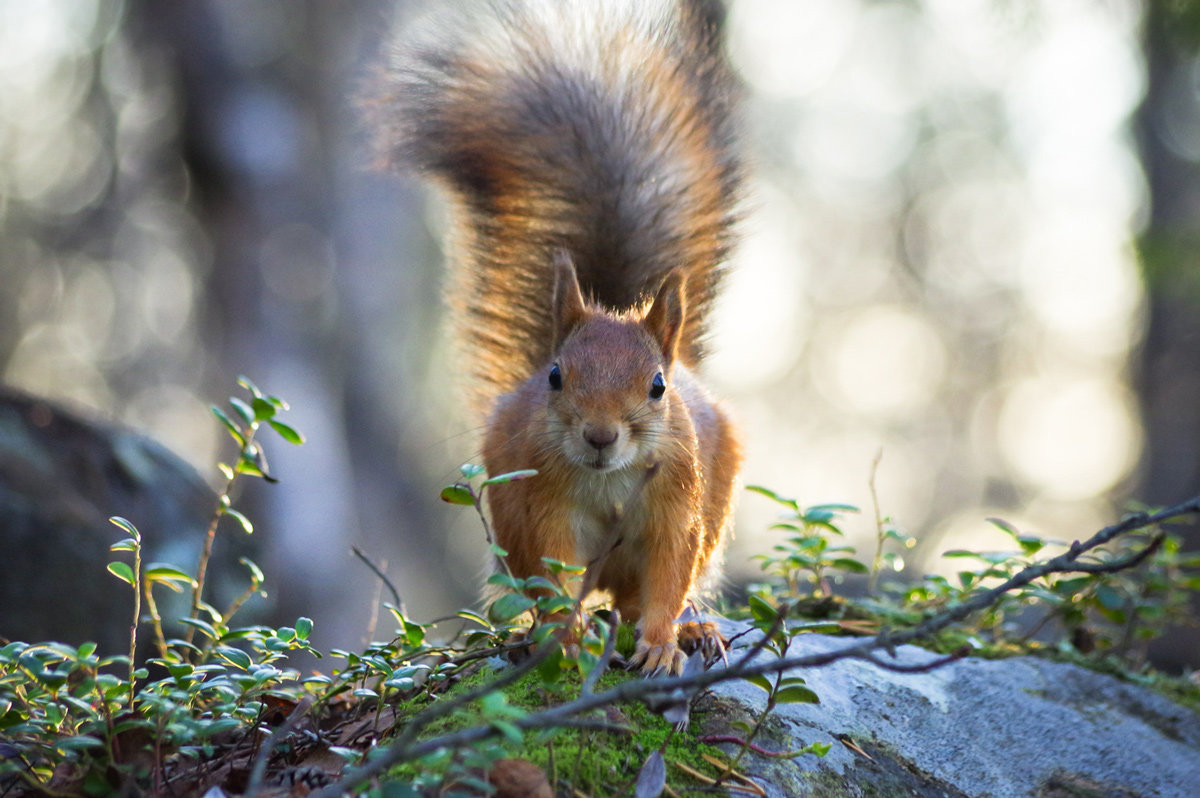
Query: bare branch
(382, 577)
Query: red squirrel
(587, 152)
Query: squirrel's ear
(568, 300)
(664, 319)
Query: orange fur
(587, 150)
(671, 524)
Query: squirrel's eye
(555, 378)
(657, 386)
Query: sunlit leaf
(286, 432)
(234, 656)
(127, 526)
(458, 494)
(243, 410)
(759, 680)
(122, 571)
(164, 572)
(263, 409)
(304, 627)
(232, 428)
(256, 573)
(509, 606)
(796, 694)
(241, 519)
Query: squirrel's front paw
(654, 657)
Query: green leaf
(458, 494)
(286, 432)
(1004, 526)
(470, 470)
(230, 427)
(775, 497)
(204, 627)
(235, 656)
(263, 409)
(1030, 545)
(256, 574)
(512, 476)
(509, 606)
(121, 571)
(849, 565)
(540, 582)
(128, 544)
(796, 694)
(763, 612)
(551, 669)
(168, 575)
(1110, 599)
(249, 386)
(77, 743)
(304, 627)
(505, 580)
(758, 680)
(127, 526)
(475, 617)
(550, 605)
(241, 519)
(243, 410)
(510, 732)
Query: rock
(999, 728)
(61, 476)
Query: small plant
(553, 601)
(777, 636)
(806, 561)
(95, 723)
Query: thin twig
(264, 752)
(610, 645)
(1130, 561)
(877, 562)
(382, 577)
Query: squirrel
(587, 149)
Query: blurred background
(970, 246)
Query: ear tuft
(569, 309)
(664, 319)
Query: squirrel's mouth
(601, 464)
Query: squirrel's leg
(530, 525)
(666, 579)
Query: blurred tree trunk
(1168, 127)
(311, 273)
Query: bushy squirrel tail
(602, 128)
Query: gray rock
(999, 728)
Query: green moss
(597, 762)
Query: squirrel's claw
(704, 637)
(665, 658)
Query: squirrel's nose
(600, 436)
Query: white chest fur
(607, 503)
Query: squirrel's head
(609, 391)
